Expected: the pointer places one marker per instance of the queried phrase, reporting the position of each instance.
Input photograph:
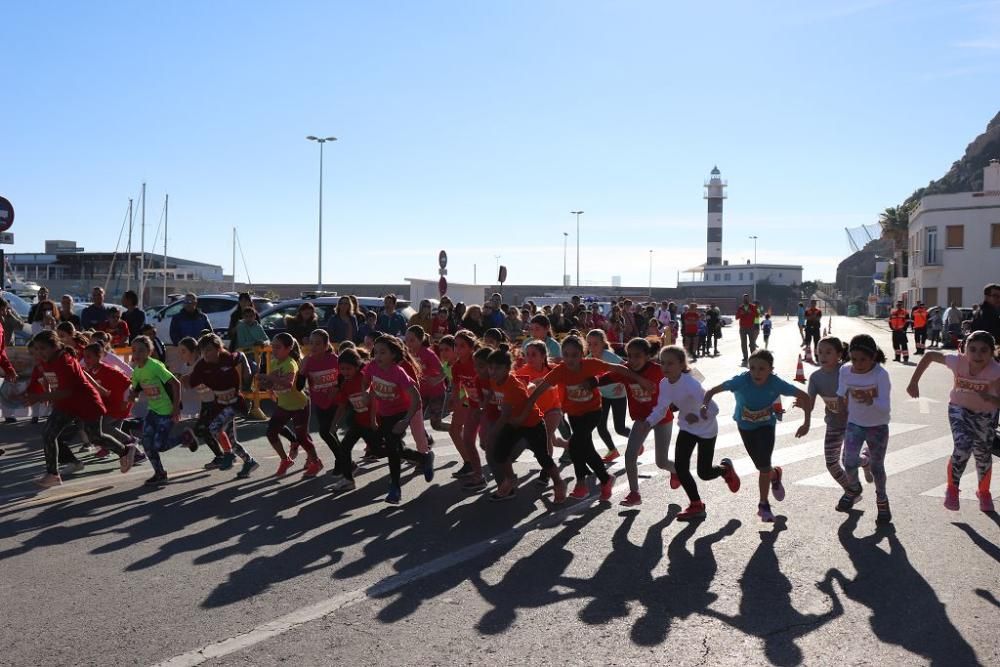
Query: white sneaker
(128, 459)
(344, 484)
(46, 481)
(71, 468)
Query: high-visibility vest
(897, 320)
(919, 318)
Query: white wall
(428, 289)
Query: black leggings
(581, 447)
(395, 450)
(616, 406)
(812, 335)
(682, 461)
(324, 417)
(759, 443)
(509, 444)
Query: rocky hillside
(966, 175)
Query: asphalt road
(265, 571)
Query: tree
(895, 222)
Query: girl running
(863, 388)
(396, 400)
(541, 329)
(756, 391)
(217, 370)
(537, 366)
(971, 413)
(112, 385)
(515, 425)
(489, 412)
(613, 400)
(74, 399)
(582, 403)
(198, 403)
(352, 409)
(432, 381)
(320, 371)
(292, 405)
(679, 388)
(465, 407)
(163, 399)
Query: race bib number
(864, 394)
(832, 404)
(970, 385)
(151, 390)
(204, 393)
(384, 391)
(496, 398)
(323, 380)
(225, 397)
(52, 380)
(359, 402)
(641, 395)
(757, 416)
(579, 393)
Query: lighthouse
(715, 192)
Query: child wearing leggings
(320, 371)
(756, 391)
(680, 389)
(292, 406)
(863, 388)
(353, 411)
(972, 410)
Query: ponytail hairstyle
(482, 354)
(348, 345)
(351, 357)
(838, 347)
(542, 349)
(143, 341)
(677, 352)
(189, 344)
(638, 345)
(497, 335)
(324, 340)
(48, 338)
(419, 332)
(573, 340)
(103, 338)
(66, 328)
(289, 341)
(866, 345)
(399, 353)
(468, 337)
(502, 357)
(599, 335)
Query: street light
(577, 214)
(565, 283)
(319, 266)
(651, 274)
(754, 239)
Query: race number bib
(970, 385)
(323, 380)
(578, 393)
(225, 397)
(864, 394)
(756, 416)
(641, 395)
(832, 404)
(384, 391)
(52, 380)
(359, 402)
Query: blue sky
(477, 126)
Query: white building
(954, 246)
(727, 274)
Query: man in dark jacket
(988, 318)
(96, 313)
(191, 321)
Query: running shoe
(580, 491)
(474, 484)
(343, 484)
(101, 453)
(228, 460)
(543, 479)
(395, 495)
(497, 497)
(312, 467)
(633, 499)
(884, 516)
(189, 439)
(158, 479)
(429, 467)
(777, 488)
(283, 466)
(611, 455)
(729, 475)
(559, 493)
(86, 448)
(866, 467)
(695, 511)
(951, 498)
(462, 472)
(985, 501)
(214, 463)
(140, 456)
(847, 501)
(675, 481)
(293, 451)
(72, 468)
(247, 468)
(127, 459)
(369, 458)
(764, 512)
(606, 488)
(48, 480)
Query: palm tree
(895, 222)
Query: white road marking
(925, 403)
(898, 461)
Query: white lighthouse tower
(715, 192)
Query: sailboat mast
(128, 252)
(166, 226)
(234, 259)
(142, 253)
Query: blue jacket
(185, 324)
(340, 330)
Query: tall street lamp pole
(319, 265)
(565, 282)
(754, 239)
(577, 214)
(651, 274)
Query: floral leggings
(877, 438)
(973, 434)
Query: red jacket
(746, 314)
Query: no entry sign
(6, 214)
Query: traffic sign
(443, 286)
(443, 259)
(6, 214)
(502, 275)
(6, 238)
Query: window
(779, 274)
(931, 256)
(729, 277)
(751, 275)
(209, 306)
(955, 296)
(995, 236)
(954, 236)
(718, 277)
(741, 276)
(930, 297)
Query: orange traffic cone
(800, 374)
(777, 409)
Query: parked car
(273, 319)
(218, 308)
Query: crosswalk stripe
(807, 450)
(898, 461)
(968, 490)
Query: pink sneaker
(580, 491)
(951, 498)
(283, 467)
(607, 488)
(985, 501)
(633, 499)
